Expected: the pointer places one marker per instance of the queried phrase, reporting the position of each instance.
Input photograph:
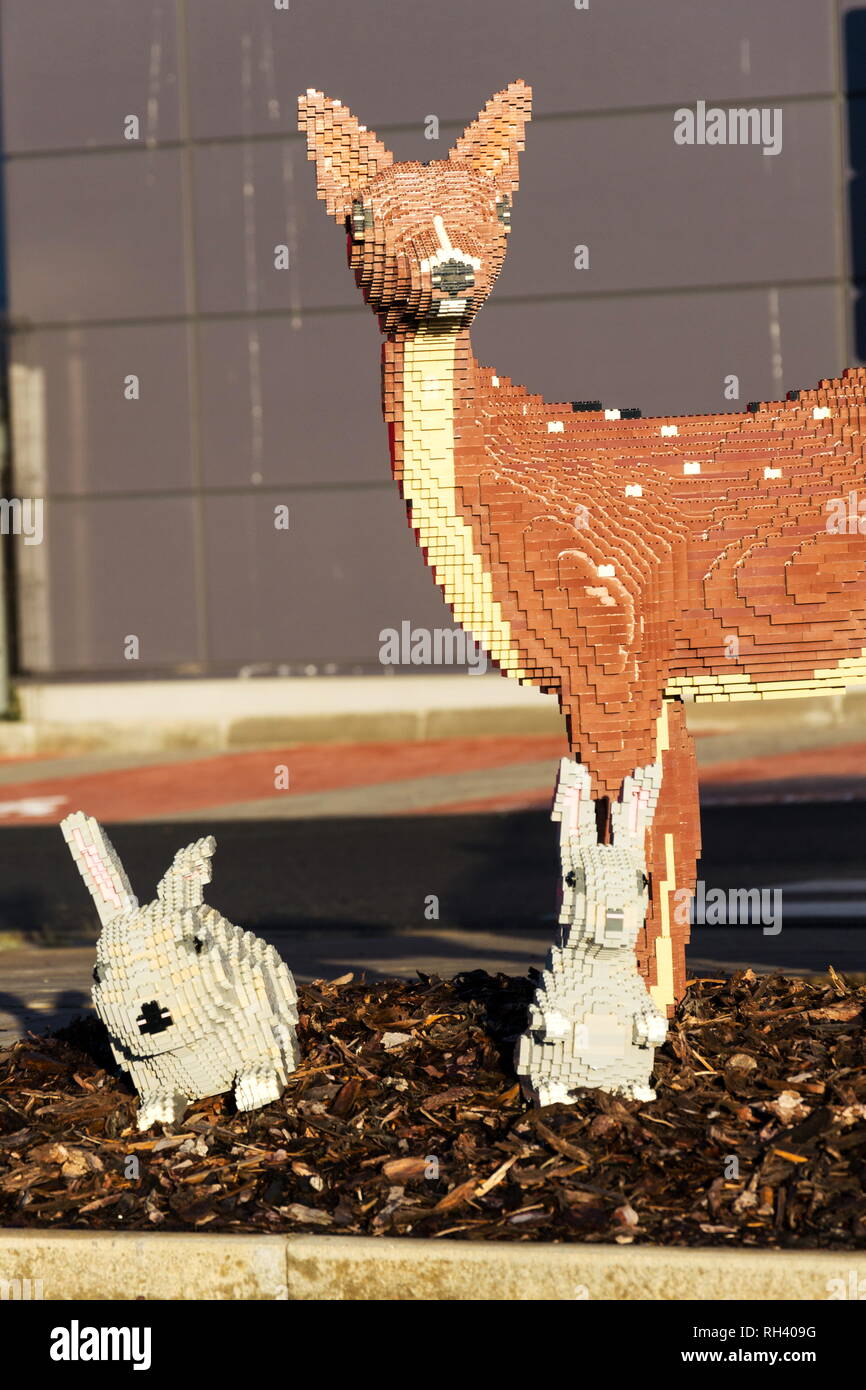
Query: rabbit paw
(650, 1030)
(256, 1088)
(644, 1093)
(656, 1031)
(554, 1025)
(161, 1107)
(554, 1093)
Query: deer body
(624, 564)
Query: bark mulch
(405, 1118)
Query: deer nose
(453, 277)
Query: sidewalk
(433, 776)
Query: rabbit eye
(191, 943)
(97, 975)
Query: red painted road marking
(847, 760)
(817, 773)
(165, 789)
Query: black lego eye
(199, 945)
(360, 220)
(97, 975)
(503, 211)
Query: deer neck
(428, 382)
(429, 402)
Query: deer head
(425, 241)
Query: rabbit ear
(633, 814)
(572, 804)
(183, 886)
(99, 866)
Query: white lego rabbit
(193, 1005)
(593, 1023)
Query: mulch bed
(405, 1118)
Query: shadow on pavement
(338, 895)
(487, 872)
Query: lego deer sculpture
(625, 564)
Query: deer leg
(673, 848)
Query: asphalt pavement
(391, 894)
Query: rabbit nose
(453, 277)
(154, 1018)
(614, 923)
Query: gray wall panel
(118, 569)
(97, 440)
(655, 214)
(347, 568)
(318, 389)
(260, 386)
(249, 198)
(394, 63)
(73, 69)
(95, 236)
(666, 354)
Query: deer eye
(503, 211)
(360, 221)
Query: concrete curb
(147, 716)
(231, 714)
(82, 1265)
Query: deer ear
(183, 886)
(492, 143)
(347, 155)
